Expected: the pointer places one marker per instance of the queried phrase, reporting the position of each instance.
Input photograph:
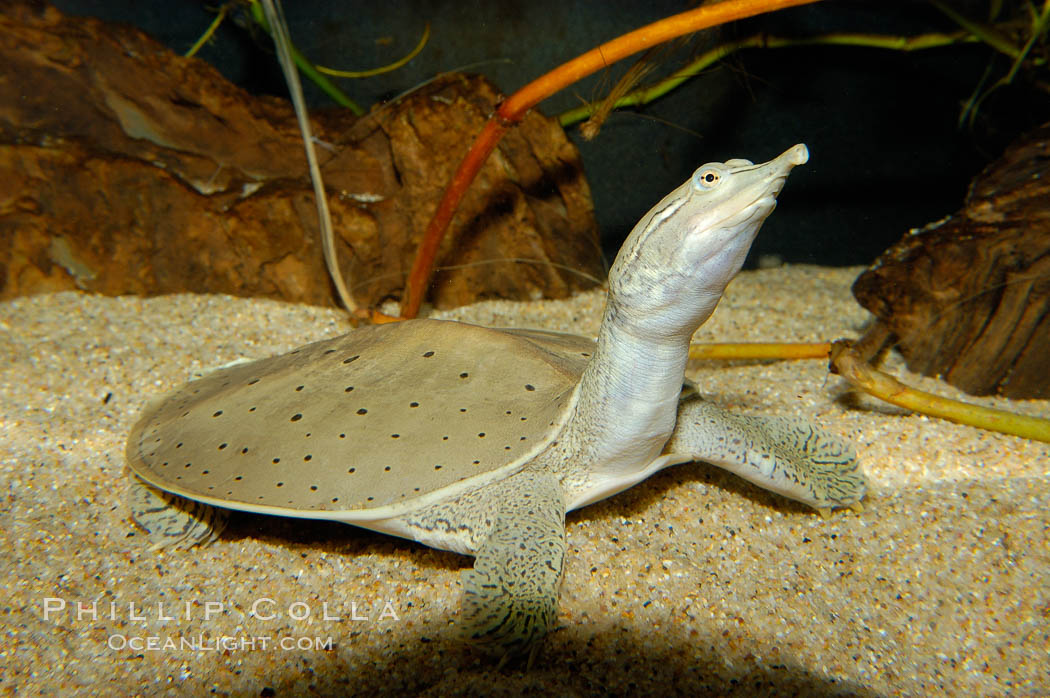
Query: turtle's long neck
(628, 395)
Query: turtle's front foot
(510, 598)
(784, 454)
(500, 620)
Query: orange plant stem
(423, 265)
(513, 109)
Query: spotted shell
(365, 425)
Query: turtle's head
(677, 261)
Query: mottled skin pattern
(626, 419)
(782, 454)
(510, 598)
(174, 522)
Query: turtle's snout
(788, 160)
(798, 154)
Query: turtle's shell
(365, 425)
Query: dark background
(887, 152)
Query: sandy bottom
(693, 582)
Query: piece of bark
(968, 297)
(125, 168)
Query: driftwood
(968, 297)
(125, 168)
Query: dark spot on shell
(437, 467)
(276, 460)
(253, 381)
(299, 388)
(348, 388)
(362, 411)
(529, 387)
(217, 414)
(329, 351)
(462, 409)
(335, 499)
(342, 436)
(481, 435)
(413, 404)
(395, 436)
(251, 409)
(428, 354)
(222, 446)
(205, 472)
(313, 488)
(352, 470)
(369, 498)
(386, 469)
(351, 359)
(244, 450)
(464, 375)
(239, 478)
(477, 462)
(280, 484)
(296, 417)
(308, 457)
(583, 353)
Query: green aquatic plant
(1016, 39)
(315, 73)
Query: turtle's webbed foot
(784, 454)
(510, 598)
(171, 521)
(822, 463)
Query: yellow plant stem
(760, 350)
(889, 389)
(382, 69)
(209, 32)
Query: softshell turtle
(479, 440)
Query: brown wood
(125, 168)
(968, 297)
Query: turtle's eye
(706, 178)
